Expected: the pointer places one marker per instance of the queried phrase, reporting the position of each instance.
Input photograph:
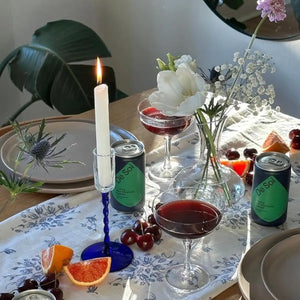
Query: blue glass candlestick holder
(121, 255)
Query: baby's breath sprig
(249, 85)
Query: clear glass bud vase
(208, 171)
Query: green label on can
(269, 199)
(130, 185)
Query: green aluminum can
(129, 192)
(270, 189)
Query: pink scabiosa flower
(273, 9)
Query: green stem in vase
(210, 135)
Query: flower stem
(210, 134)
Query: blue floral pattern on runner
(45, 217)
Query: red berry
(145, 241)
(128, 237)
(293, 133)
(151, 219)
(232, 154)
(139, 226)
(49, 282)
(155, 231)
(28, 284)
(252, 162)
(295, 143)
(158, 205)
(6, 296)
(58, 293)
(250, 152)
(249, 178)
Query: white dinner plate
(280, 269)
(249, 274)
(62, 185)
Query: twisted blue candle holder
(121, 255)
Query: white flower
(186, 59)
(179, 93)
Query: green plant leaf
(42, 66)
(70, 40)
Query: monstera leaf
(46, 67)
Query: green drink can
(129, 192)
(270, 189)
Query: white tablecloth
(76, 221)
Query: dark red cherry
(58, 293)
(155, 231)
(145, 241)
(252, 163)
(293, 133)
(139, 226)
(151, 219)
(250, 153)
(28, 284)
(128, 237)
(49, 282)
(232, 154)
(249, 178)
(6, 296)
(295, 143)
(158, 205)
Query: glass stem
(105, 202)
(167, 160)
(187, 243)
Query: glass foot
(193, 279)
(158, 172)
(121, 255)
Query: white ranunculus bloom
(179, 93)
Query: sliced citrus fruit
(55, 257)
(241, 167)
(88, 272)
(274, 142)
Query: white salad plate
(249, 271)
(280, 269)
(73, 177)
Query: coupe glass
(188, 213)
(167, 126)
(121, 255)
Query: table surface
(123, 113)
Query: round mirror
(243, 16)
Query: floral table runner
(76, 221)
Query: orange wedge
(274, 142)
(88, 272)
(241, 167)
(55, 257)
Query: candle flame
(99, 71)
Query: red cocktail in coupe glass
(189, 213)
(167, 126)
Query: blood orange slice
(55, 257)
(241, 167)
(274, 142)
(88, 272)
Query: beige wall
(138, 31)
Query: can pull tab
(276, 162)
(130, 148)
